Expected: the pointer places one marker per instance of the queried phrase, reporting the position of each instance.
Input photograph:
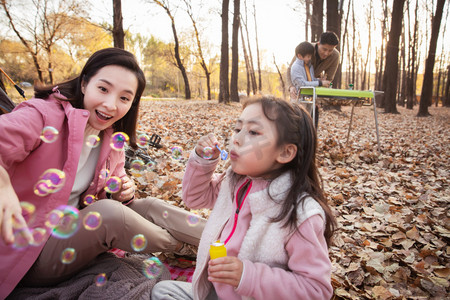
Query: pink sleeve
(309, 274)
(200, 184)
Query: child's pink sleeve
(200, 185)
(309, 274)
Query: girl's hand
(127, 191)
(10, 210)
(226, 270)
(207, 141)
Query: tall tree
(224, 90)
(317, 20)
(165, 5)
(427, 87)
(52, 23)
(199, 48)
(234, 95)
(308, 18)
(334, 16)
(412, 70)
(244, 20)
(378, 80)
(258, 58)
(247, 63)
(446, 101)
(118, 34)
(391, 69)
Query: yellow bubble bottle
(217, 249)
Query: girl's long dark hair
(71, 89)
(295, 126)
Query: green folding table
(339, 94)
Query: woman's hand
(207, 141)
(11, 211)
(226, 270)
(127, 191)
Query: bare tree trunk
(446, 101)
(334, 15)
(33, 53)
(118, 34)
(308, 18)
(317, 20)
(179, 63)
(283, 86)
(257, 49)
(199, 48)
(411, 90)
(224, 92)
(353, 43)
(234, 95)
(391, 70)
(441, 71)
(252, 68)
(247, 67)
(345, 40)
(379, 82)
(427, 87)
(402, 88)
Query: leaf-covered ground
(392, 207)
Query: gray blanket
(125, 280)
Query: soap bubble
(100, 279)
(68, 256)
(137, 165)
(92, 141)
(104, 173)
(177, 153)
(207, 153)
(49, 134)
(89, 199)
(92, 220)
(68, 224)
(118, 140)
(53, 218)
(138, 242)
(142, 140)
(28, 210)
(165, 214)
(20, 241)
(152, 267)
(151, 165)
(51, 181)
(192, 220)
(113, 185)
(39, 235)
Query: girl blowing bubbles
(268, 209)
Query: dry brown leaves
(392, 208)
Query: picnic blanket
(124, 280)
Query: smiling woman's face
(108, 95)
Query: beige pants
(162, 224)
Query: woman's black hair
(71, 89)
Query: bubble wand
(223, 153)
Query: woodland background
(392, 206)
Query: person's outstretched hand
(127, 191)
(208, 141)
(11, 211)
(226, 270)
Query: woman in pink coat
(52, 166)
(268, 209)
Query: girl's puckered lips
(233, 155)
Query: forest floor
(392, 207)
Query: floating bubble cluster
(138, 242)
(177, 152)
(113, 184)
(152, 267)
(92, 141)
(118, 141)
(68, 224)
(51, 181)
(100, 279)
(49, 134)
(68, 256)
(142, 140)
(92, 220)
